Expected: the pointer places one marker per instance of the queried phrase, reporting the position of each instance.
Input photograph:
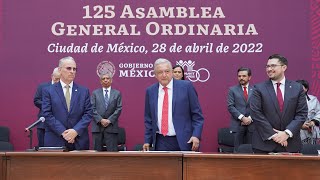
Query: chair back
(225, 140)
(310, 149)
(4, 134)
(122, 139)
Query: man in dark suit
(238, 106)
(67, 109)
(55, 77)
(107, 107)
(173, 118)
(279, 109)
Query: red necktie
(164, 122)
(279, 97)
(245, 93)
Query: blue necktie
(106, 99)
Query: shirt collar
(245, 86)
(64, 84)
(283, 81)
(104, 89)
(169, 86)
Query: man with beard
(279, 109)
(238, 106)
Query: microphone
(41, 119)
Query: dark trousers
(40, 135)
(100, 139)
(166, 143)
(278, 149)
(242, 136)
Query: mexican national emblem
(104, 67)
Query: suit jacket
(58, 119)
(266, 114)
(100, 112)
(37, 100)
(186, 113)
(237, 104)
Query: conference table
(257, 167)
(3, 167)
(155, 165)
(93, 165)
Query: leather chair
(225, 140)
(310, 149)
(122, 139)
(5, 144)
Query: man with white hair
(55, 77)
(107, 107)
(173, 118)
(67, 110)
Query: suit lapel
(112, 95)
(273, 96)
(287, 94)
(155, 97)
(59, 90)
(100, 97)
(250, 89)
(74, 96)
(240, 91)
(174, 94)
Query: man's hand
(70, 135)
(281, 137)
(146, 147)
(246, 121)
(195, 143)
(305, 126)
(105, 122)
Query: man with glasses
(67, 110)
(55, 77)
(279, 109)
(173, 118)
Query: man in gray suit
(107, 106)
(279, 109)
(238, 106)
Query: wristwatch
(287, 133)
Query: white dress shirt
(171, 131)
(282, 89)
(65, 89)
(104, 92)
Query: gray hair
(61, 61)
(55, 71)
(108, 73)
(162, 61)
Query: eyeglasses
(272, 66)
(71, 68)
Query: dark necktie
(245, 93)
(106, 99)
(165, 114)
(279, 97)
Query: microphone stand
(30, 137)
